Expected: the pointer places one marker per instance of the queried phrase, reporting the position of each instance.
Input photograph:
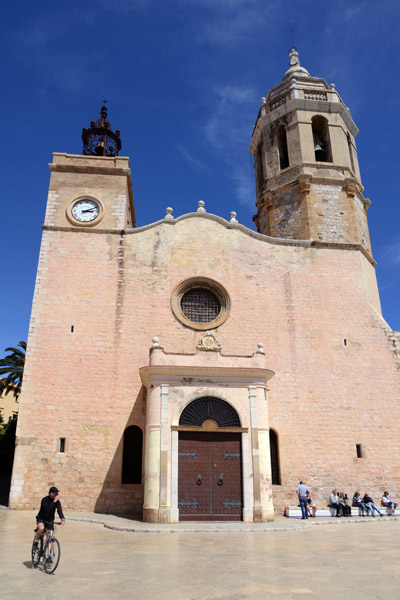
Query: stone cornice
(232, 226)
(291, 176)
(194, 376)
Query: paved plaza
(324, 560)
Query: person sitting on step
(359, 504)
(367, 500)
(346, 509)
(334, 502)
(387, 503)
(311, 506)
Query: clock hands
(88, 209)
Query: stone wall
(330, 210)
(101, 297)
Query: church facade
(194, 369)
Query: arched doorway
(209, 462)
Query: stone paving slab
(134, 525)
(279, 524)
(358, 561)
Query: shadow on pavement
(5, 483)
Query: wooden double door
(209, 476)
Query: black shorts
(47, 524)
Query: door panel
(226, 480)
(193, 461)
(209, 476)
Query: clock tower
(92, 190)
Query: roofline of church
(221, 221)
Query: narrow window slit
(359, 451)
(62, 445)
(72, 329)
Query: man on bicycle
(45, 516)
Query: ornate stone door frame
(172, 376)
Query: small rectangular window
(345, 342)
(62, 444)
(359, 451)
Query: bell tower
(306, 168)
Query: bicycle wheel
(51, 555)
(35, 554)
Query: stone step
(295, 511)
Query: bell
(319, 153)
(100, 148)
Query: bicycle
(49, 550)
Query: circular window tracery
(200, 303)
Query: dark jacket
(48, 509)
(367, 499)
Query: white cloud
(194, 162)
(229, 22)
(243, 178)
(353, 10)
(228, 132)
(392, 252)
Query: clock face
(85, 210)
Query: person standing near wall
(302, 491)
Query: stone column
(247, 508)
(262, 481)
(267, 504)
(164, 513)
(151, 503)
(174, 477)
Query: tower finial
(293, 54)
(100, 139)
(293, 41)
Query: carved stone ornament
(293, 58)
(210, 425)
(268, 199)
(304, 185)
(209, 342)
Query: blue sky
(183, 80)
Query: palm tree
(12, 366)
